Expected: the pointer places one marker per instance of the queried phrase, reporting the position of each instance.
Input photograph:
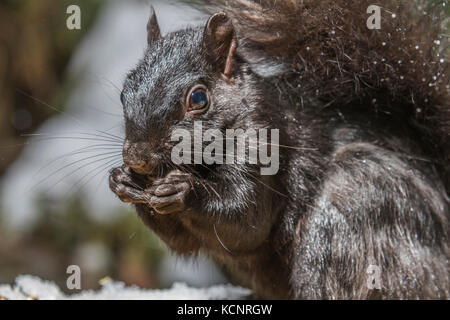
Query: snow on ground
(30, 287)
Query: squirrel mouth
(149, 172)
(159, 174)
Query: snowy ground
(29, 287)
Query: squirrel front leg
(232, 208)
(219, 212)
(131, 188)
(165, 195)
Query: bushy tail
(400, 68)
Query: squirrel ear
(153, 32)
(219, 41)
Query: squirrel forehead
(176, 54)
(168, 62)
(169, 66)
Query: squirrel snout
(139, 166)
(137, 157)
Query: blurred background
(60, 133)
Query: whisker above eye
(58, 110)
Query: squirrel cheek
(183, 110)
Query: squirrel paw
(127, 186)
(167, 195)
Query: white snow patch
(32, 287)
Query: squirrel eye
(122, 97)
(198, 99)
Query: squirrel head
(185, 76)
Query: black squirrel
(364, 129)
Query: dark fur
(367, 180)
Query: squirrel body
(364, 148)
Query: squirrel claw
(168, 195)
(125, 186)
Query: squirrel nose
(136, 156)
